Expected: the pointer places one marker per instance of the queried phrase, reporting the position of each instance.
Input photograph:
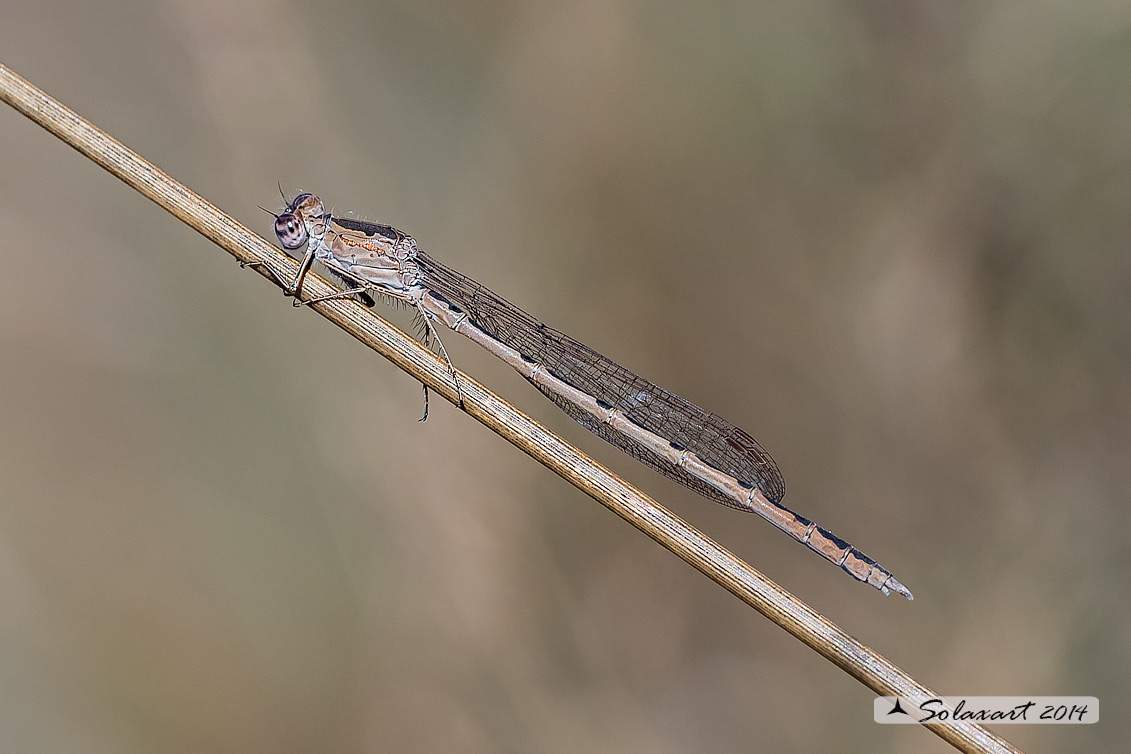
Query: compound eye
(290, 231)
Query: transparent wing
(685, 425)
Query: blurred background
(889, 239)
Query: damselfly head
(291, 225)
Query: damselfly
(696, 448)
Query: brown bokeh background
(890, 239)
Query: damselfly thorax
(367, 255)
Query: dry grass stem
(826, 638)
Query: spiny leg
(431, 331)
(258, 265)
(292, 289)
(331, 296)
(427, 344)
